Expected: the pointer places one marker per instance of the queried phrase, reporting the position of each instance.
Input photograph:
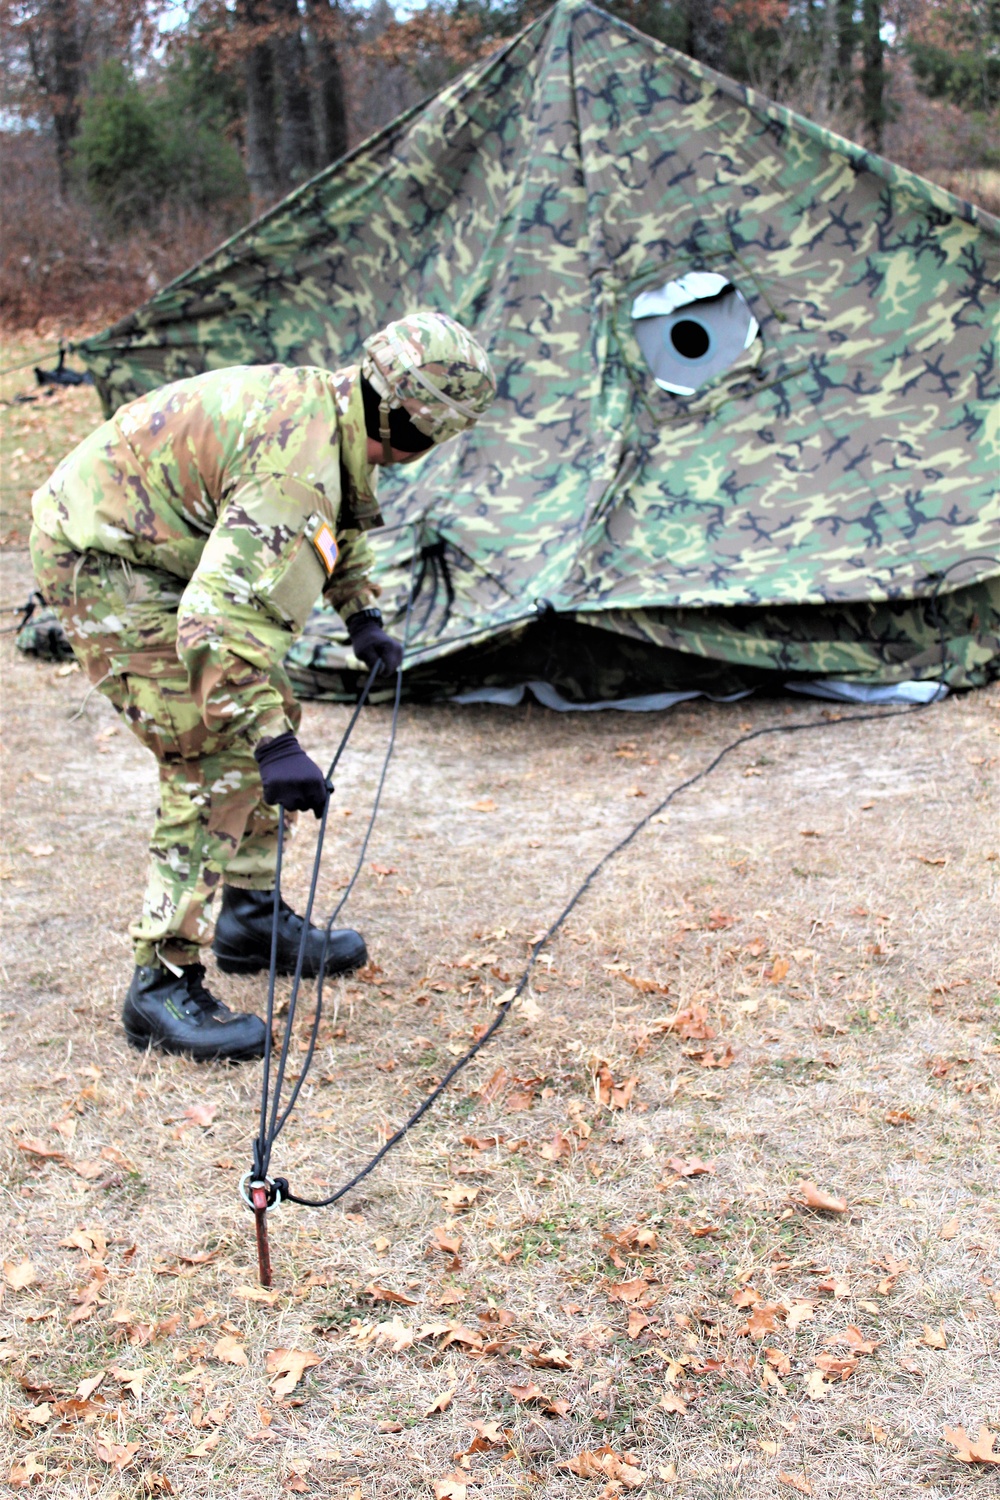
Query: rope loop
(270, 1129)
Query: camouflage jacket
(251, 484)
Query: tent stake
(258, 1193)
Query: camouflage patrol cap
(434, 369)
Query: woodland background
(137, 134)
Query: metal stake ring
(257, 1183)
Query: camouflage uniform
(183, 545)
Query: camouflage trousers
(212, 820)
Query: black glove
(290, 777)
(370, 642)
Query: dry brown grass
(59, 260)
(867, 1067)
(38, 424)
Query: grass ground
(38, 425)
(593, 1269)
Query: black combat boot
(243, 938)
(176, 1013)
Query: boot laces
(199, 1000)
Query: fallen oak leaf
(32, 1146)
(762, 1320)
(969, 1452)
(442, 1402)
(670, 1401)
(831, 1366)
(459, 1334)
(395, 1333)
(934, 1338)
(19, 1274)
(708, 1059)
(256, 1294)
(529, 1392)
(799, 1312)
(559, 1146)
(855, 1339)
(637, 1322)
(452, 1486)
(24, 1471)
(544, 1358)
(605, 1463)
(379, 1293)
(88, 1170)
(288, 1366)
(116, 1455)
(814, 1197)
(201, 1114)
(130, 1380)
(691, 1024)
(637, 1291)
(230, 1351)
(690, 1166)
(203, 1449)
(645, 986)
(795, 1481)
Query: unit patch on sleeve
(324, 542)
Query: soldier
(183, 545)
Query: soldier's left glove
(371, 644)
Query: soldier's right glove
(290, 777)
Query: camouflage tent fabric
(827, 504)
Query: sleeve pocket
(290, 587)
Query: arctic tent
(748, 427)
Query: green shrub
(159, 145)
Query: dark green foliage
(145, 147)
(962, 64)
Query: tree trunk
(331, 111)
(261, 132)
(846, 38)
(872, 74)
(706, 39)
(56, 54)
(296, 137)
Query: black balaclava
(402, 433)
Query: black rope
(278, 1187)
(268, 1132)
(280, 1184)
(269, 1129)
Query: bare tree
(56, 52)
(296, 135)
(261, 104)
(872, 74)
(326, 29)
